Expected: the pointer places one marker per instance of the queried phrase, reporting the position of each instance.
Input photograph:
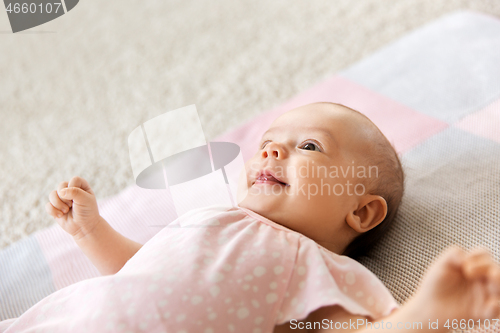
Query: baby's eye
(310, 146)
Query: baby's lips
(266, 175)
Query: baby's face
(302, 174)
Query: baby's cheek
(321, 190)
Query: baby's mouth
(267, 178)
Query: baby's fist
(75, 207)
(460, 285)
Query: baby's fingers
(57, 202)
(479, 265)
(492, 310)
(81, 183)
(477, 268)
(61, 186)
(494, 281)
(54, 212)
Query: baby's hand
(74, 207)
(460, 285)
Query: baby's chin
(264, 206)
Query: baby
(323, 186)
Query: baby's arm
(458, 286)
(77, 213)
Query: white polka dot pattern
(214, 269)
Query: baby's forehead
(328, 117)
(351, 130)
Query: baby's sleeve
(321, 278)
(5, 324)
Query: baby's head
(326, 171)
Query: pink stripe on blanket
(485, 123)
(66, 262)
(403, 126)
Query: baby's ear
(371, 210)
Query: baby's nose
(274, 149)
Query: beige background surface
(73, 89)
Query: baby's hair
(389, 185)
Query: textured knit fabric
(214, 269)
